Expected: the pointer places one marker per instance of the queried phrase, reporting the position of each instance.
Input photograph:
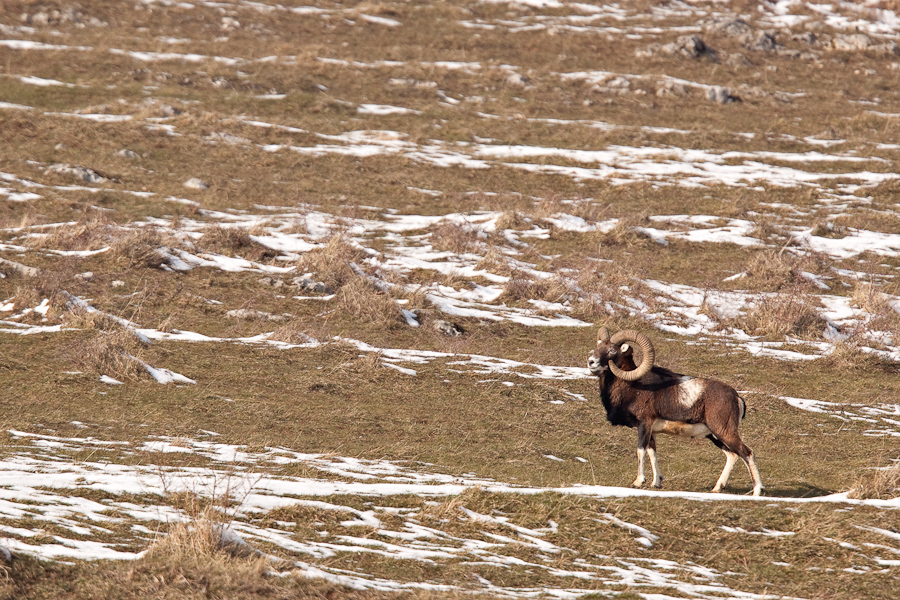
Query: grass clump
(115, 354)
(205, 535)
(882, 316)
(91, 232)
(851, 355)
(362, 300)
(790, 313)
(235, 240)
(521, 287)
(143, 248)
(292, 333)
(606, 290)
(775, 271)
(881, 484)
(456, 238)
(331, 262)
(625, 234)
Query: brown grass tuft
(92, 232)
(142, 248)
(292, 333)
(78, 318)
(850, 355)
(513, 219)
(31, 291)
(521, 286)
(774, 271)
(790, 313)
(360, 299)
(624, 234)
(331, 263)
(236, 241)
(605, 289)
(200, 537)
(881, 484)
(115, 354)
(453, 237)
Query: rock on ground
(689, 46)
(854, 42)
(249, 313)
(275, 282)
(447, 328)
(196, 183)
(517, 80)
(721, 95)
(309, 284)
(77, 171)
(671, 88)
(729, 25)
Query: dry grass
(31, 291)
(604, 290)
(777, 270)
(292, 332)
(92, 232)
(78, 318)
(235, 241)
(882, 484)
(456, 238)
(494, 261)
(624, 235)
(361, 300)
(788, 313)
(331, 263)
(115, 354)
(851, 355)
(199, 537)
(513, 219)
(873, 300)
(142, 248)
(522, 286)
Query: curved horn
(603, 335)
(649, 354)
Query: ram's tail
(743, 408)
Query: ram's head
(615, 354)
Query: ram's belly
(693, 430)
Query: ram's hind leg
(734, 444)
(730, 459)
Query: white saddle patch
(689, 390)
(692, 430)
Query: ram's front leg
(643, 445)
(654, 465)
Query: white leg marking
(657, 476)
(640, 478)
(754, 475)
(730, 459)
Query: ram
(656, 400)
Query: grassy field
(349, 360)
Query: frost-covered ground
(195, 195)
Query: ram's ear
(625, 349)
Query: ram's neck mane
(615, 413)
